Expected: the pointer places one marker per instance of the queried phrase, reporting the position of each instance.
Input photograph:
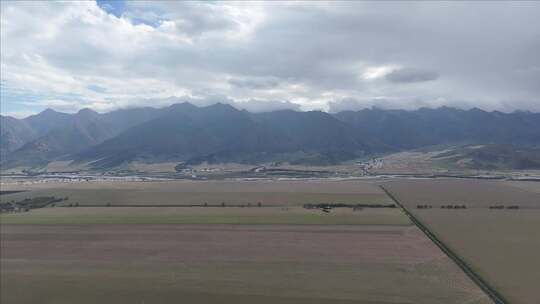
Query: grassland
(502, 246)
(206, 215)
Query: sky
(329, 56)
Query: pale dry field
(227, 264)
(312, 186)
(474, 193)
(529, 186)
(503, 246)
(211, 192)
(410, 162)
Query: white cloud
(375, 72)
(305, 55)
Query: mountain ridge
(222, 133)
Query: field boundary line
(475, 277)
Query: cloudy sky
(266, 56)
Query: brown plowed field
(227, 264)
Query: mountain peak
(87, 111)
(477, 110)
(221, 106)
(47, 111)
(47, 114)
(182, 106)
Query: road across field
(492, 293)
(269, 254)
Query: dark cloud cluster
(254, 83)
(408, 75)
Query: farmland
(502, 246)
(227, 264)
(206, 215)
(473, 193)
(159, 243)
(529, 186)
(211, 192)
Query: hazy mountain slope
(72, 133)
(312, 130)
(323, 137)
(215, 133)
(84, 129)
(14, 133)
(47, 120)
(221, 133)
(124, 119)
(424, 127)
(492, 157)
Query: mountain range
(221, 133)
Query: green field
(206, 215)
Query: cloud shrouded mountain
(221, 133)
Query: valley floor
(153, 242)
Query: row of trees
(504, 207)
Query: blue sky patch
(115, 7)
(97, 88)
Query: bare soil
(227, 264)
